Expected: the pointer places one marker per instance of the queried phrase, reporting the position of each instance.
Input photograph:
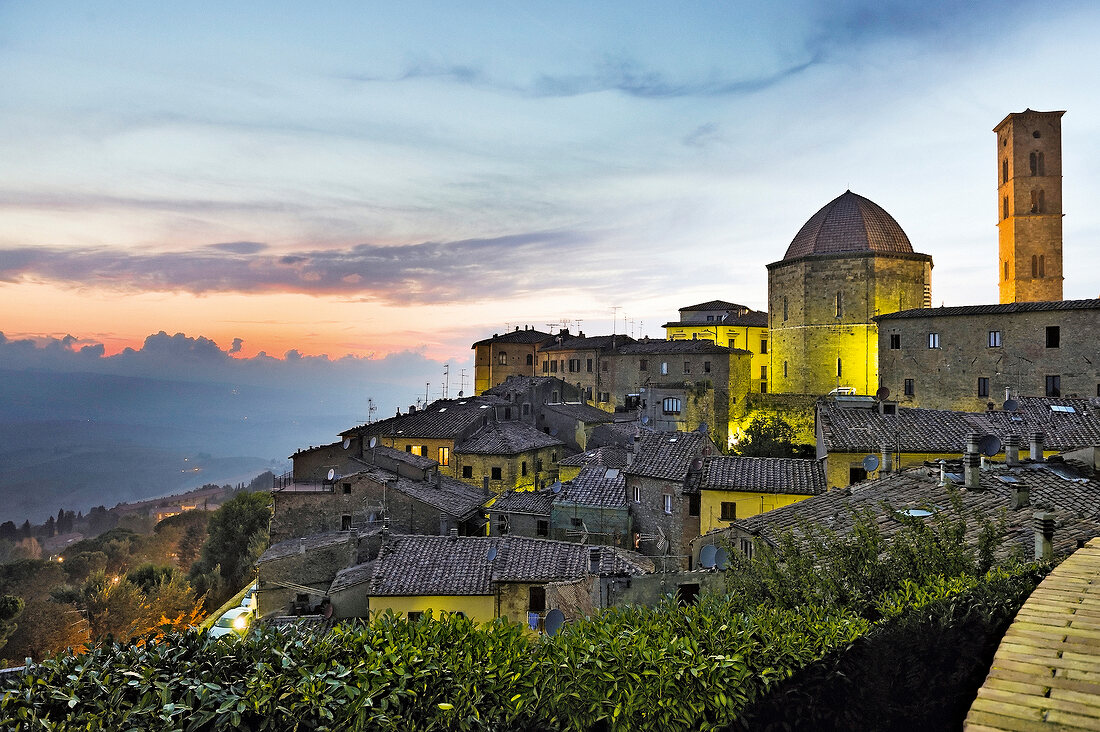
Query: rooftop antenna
(551, 326)
(461, 381)
(446, 379)
(615, 317)
(426, 385)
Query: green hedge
(709, 666)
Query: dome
(849, 223)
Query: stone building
(850, 262)
(727, 324)
(509, 354)
(521, 513)
(967, 357)
(735, 488)
(584, 362)
(1029, 206)
(592, 508)
(507, 455)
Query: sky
(382, 184)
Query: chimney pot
(1012, 450)
(1021, 496)
(972, 464)
(1044, 535)
(454, 534)
(1037, 447)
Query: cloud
(428, 272)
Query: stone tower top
(849, 223)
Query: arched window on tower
(784, 307)
(1033, 163)
(1004, 170)
(1034, 201)
(1042, 166)
(1042, 265)
(1042, 201)
(1034, 266)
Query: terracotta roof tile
(996, 309)
(506, 438)
(666, 455)
(763, 475)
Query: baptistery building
(848, 263)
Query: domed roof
(849, 223)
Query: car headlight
(240, 622)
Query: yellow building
(481, 577)
(514, 353)
(735, 488)
(727, 324)
(851, 429)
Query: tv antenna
(446, 379)
(615, 317)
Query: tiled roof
(515, 336)
(615, 433)
(580, 343)
(997, 309)
(853, 429)
(519, 383)
(609, 456)
(763, 475)
(666, 455)
(596, 485)
(581, 412)
(450, 496)
(352, 576)
(532, 502)
(442, 419)
(417, 461)
(658, 346)
(714, 305)
(444, 565)
(506, 438)
(290, 547)
(849, 223)
(1076, 504)
(752, 319)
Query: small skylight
(672, 439)
(443, 409)
(611, 473)
(1062, 408)
(1007, 479)
(484, 406)
(916, 512)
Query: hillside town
(594, 471)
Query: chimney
(453, 535)
(302, 545)
(1012, 450)
(593, 561)
(412, 409)
(1021, 496)
(887, 460)
(1044, 535)
(1037, 447)
(972, 463)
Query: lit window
(933, 340)
(444, 456)
(994, 339)
(671, 405)
(502, 358)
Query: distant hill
(77, 440)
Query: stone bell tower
(1029, 206)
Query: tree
(771, 436)
(10, 607)
(236, 536)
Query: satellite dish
(697, 464)
(1011, 405)
(554, 432)
(331, 473)
(882, 394)
(492, 553)
(721, 558)
(645, 419)
(347, 442)
(584, 535)
(553, 621)
(459, 395)
(989, 445)
(707, 556)
(373, 441)
(702, 428)
(870, 463)
(555, 488)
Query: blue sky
(378, 178)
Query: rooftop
(581, 412)
(849, 223)
(996, 309)
(472, 565)
(667, 455)
(449, 495)
(532, 502)
(526, 336)
(596, 485)
(442, 419)
(763, 475)
(657, 346)
(581, 343)
(609, 456)
(506, 438)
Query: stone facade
(1029, 206)
(821, 307)
(511, 354)
(964, 358)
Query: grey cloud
(239, 247)
(428, 272)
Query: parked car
(249, 599)
(235, 621)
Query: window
(687, 367)
(784, 369)
(467, 471)
(530, 359)
(1033, 163)
(536, 599)
(523, 468)
(408, 448)
(507, 413)
(538, 465)
(838, 310)
(1054, 386)
(746, 548)
(502, 358)
(588, 393)
(444, 456)
(895, 341)
(763, 373)
(1053, 336)
(423, 451)
(545, 367)
(643, 364)
(495, 475)
(671, 405)
(706, 367)
(1006, 270)
(554, 366)
(839, 370)
(636, 494)
(1042, 265)
(1004, 205)
(563, 365)
(994, 339)
(784, 307)
(574, 365)
(1034, 201)
(345, 522)
(856, 474)
(542, 527)
(933, 340)
(983, 386)
(908, 387)
(1004, 170)
(729, 511)
(604, 396)
(1034, 266)
(347, 489)
(666, 500)
(526, 409)
(664, 367)
(763, 345)
(605, 365)
(693, 504)
(589, 364)
(763, 387)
